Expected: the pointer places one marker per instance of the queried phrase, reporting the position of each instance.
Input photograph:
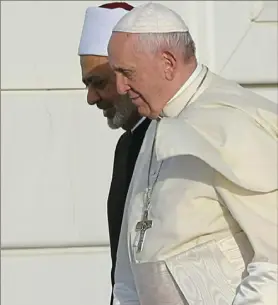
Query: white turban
(97, 30)
(151, 18)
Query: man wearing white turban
(102, 92)
(200, 222)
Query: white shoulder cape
(235, 133)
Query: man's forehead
(119, 38)
(92, 63)
(120, 50)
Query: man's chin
(122, 114)
(113, 120)
(114, 124)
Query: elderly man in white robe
(200, 222)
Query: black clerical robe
(126, 153)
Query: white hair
(175, 41)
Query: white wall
(57, 151)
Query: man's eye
(100, 84)
(127, 74)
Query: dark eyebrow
(91, 79)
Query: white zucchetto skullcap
(151, 18)
(97, 30)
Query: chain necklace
(145, 224)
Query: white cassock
(213, 239)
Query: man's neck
(138, 124)
(184, 76)
(181, 79)
(185, 95)
(132, 122)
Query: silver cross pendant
(142, 226)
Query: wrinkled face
(102, 92)
(139, 74)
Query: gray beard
(117, 121)
(124, 109)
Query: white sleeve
(124, 288)
(257, 216)
(259, 287)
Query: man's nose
(122, 85)
(92, 97)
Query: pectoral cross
(142, 226)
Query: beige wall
(57, 151)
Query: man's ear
(170, 65)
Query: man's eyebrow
(91, 78)
(123, 70)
